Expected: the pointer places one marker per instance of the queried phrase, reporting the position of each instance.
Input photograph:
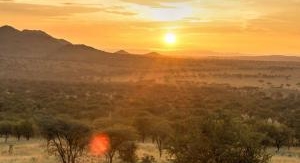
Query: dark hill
(27, 43)
(122, 52)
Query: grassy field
(34, 151)
(286, 155)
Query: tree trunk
(278, 147)
(143, 138)
(160, 153)
(159, 146)
(110, 159)
(6, 137)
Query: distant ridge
(38, 44)
(6, 29)
(153, 54)
(121, 52)
(282, 58)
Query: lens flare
(99, 144)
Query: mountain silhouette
(27, 43)
(122, 52)
(38, 44)
(153, 54)
(35, 55)
(71, 52)
(15, 43)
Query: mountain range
(38, 44)
(35, 55)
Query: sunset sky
(139, 26)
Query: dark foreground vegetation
(189, 124)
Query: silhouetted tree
(6, 129)
(161, 131)
(27, 129)
(143, 126)
(127, 152)
(66, 139)
(119, 135)
(17, 130)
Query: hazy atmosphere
(149, 81)
(248, 27)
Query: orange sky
(201, 26)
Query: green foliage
(161, 131)
(27, 129)
(294, 122)
(218, 140)
(6, 129)
(159, 116)
(23, 128)
(17, 130)
(277, 134)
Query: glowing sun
(170, 38)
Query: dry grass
(150, 149)
(33, 151)
(285, 159)
(287, 156)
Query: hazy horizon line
(168, 53)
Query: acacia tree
(6, 129)
(17, 130)
(294, 123)
(161, 131)
(127, 152)
(218, 139)
(23, 128)
(278, 135)
(66, 139)
(118, 135)
(143, 125)
(27, 129)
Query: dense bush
(218, 140)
